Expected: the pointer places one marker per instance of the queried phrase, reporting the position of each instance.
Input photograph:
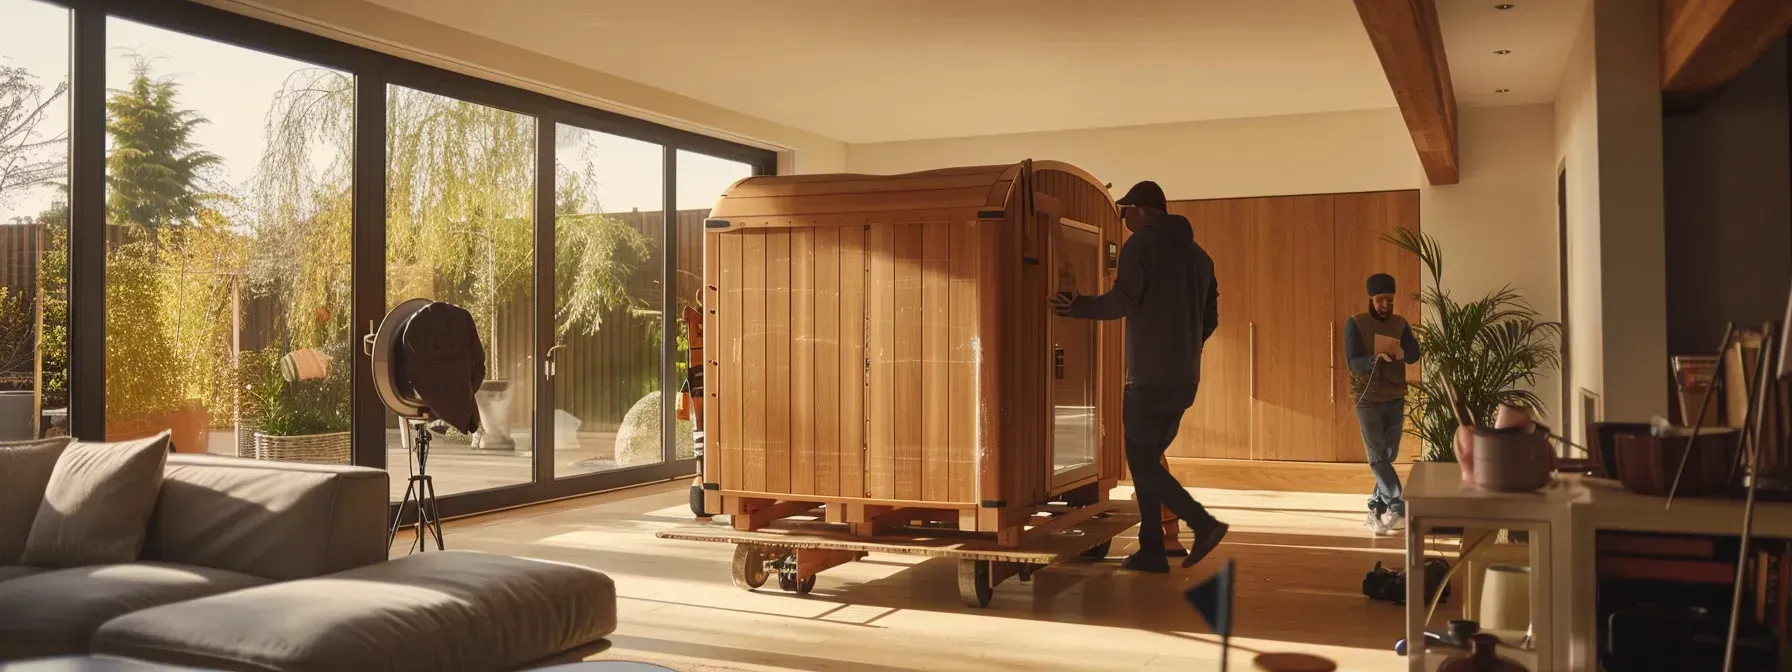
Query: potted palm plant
(1491, 350)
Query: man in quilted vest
(1377, 346)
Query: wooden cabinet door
(1359, 221)
(1294, 416)
(1219, 424)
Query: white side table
(1437, 497)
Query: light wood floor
(1301, 560)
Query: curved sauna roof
(944, 195)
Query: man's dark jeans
(1381, 424)
(1153, 414)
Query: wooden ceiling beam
(1705, 43)
(1411, 47)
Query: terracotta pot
(1511, 460)
(186, 428)
(1464, 443)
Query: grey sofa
(249, 565)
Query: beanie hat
(1381, 283)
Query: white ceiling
(884, 70)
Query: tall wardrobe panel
(1219, 424)
(1293, 405)
(1359, 222)
(1291, 270)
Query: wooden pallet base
(869, 518)
(795, 550)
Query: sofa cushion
(25, 469)
(452, 610)
(55, 613)
(96, 508)
(277, 520)
(10, 572)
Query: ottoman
(452, 610)
(89, 664)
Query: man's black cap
(1145, 195)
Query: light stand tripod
(421, 491)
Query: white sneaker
(1375, 524)
(1394, 521)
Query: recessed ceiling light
(1503, 52)
(1502, 90)
(1503, 7)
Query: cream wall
(1497, 226)
(1265, 156)
(1577, 155)
(1609, 141)
(1631, 229)
(404, 35)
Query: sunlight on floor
(1301, 559)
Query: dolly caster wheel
(749, 567)
(973, 583)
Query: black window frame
(373, 72)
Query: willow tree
(460, 197)
(302, 197)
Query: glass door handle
(548, 368)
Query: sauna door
(1076, 261)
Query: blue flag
(1213, 598)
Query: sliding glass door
(202, 215)
(609, 246)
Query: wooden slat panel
(936, 357)
(856, 218)
(907, 404)
(732, 352)
(1358, 223)
(751, 186)
(854, 271)
(755, 371)
(827, 356)
(992, 382)
(1294, 413)
(802, 362)
(782, 206)
(870, 185)
(777, 356)
(880, 456)
(961, 415)
(715, 374)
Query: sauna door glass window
(1077, 266)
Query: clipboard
(1388, 344)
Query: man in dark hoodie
(1166, 291)
(1377, 346)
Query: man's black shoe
(1205, 541)
(1149, 563)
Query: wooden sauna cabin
(882, 347)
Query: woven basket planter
(334, 448)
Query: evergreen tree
(154, 170)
